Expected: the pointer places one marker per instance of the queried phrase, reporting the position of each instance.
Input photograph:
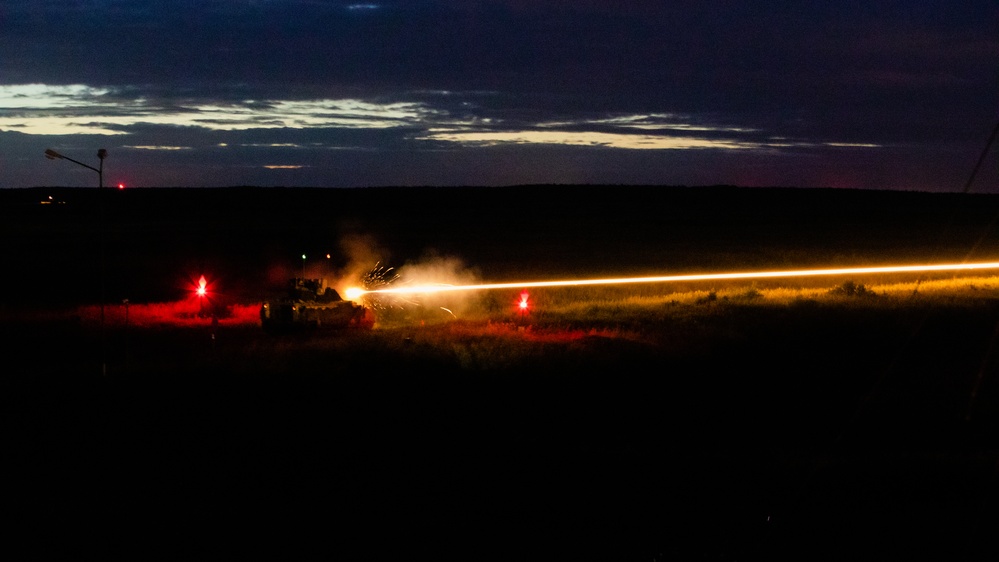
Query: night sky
(900, 95)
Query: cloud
(40, 109)
(152, 147)
(660, 121)
(588, 138)
(58, 110)
(428, 117)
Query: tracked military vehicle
(309, 304)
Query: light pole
(101, 155)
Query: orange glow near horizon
(354, 292)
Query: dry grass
(569, 313)
(177, 314)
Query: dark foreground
(807, 432)
(823, 433)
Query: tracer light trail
(354, 293)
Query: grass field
(838, 418)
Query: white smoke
(436, 269)
(363, 253)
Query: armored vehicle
(310, 304)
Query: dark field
(833, 430)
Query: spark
(356, 292)
(377, 278)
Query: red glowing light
(523, 304)
(202, 286)
(121, 186)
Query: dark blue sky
(851, 94)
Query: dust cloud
(368, 262)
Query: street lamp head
(102, 153)
(51, 154)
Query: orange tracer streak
(440, 288)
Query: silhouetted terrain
(151, 240)
(802, 432)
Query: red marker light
(121, 186)
(202, 286)
(524, 303)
